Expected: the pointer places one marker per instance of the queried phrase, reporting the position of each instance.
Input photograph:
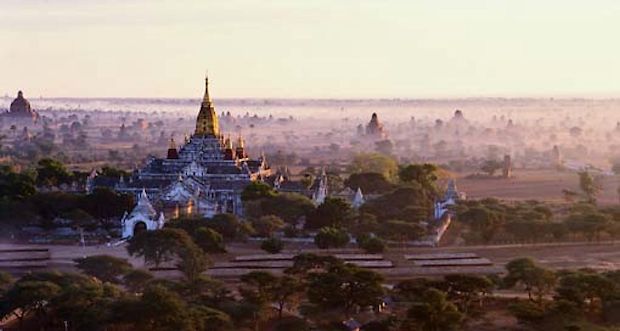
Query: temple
(202, 177)
(374, 128)
(20, 109)
(143, 217)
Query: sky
(310, 48)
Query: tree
(52, 173)
(345, 286)
(83, 302)
(209, 240)
(587, 290)
(256, 291)
(257, 190)
(369, 182)
(483, 221)
(103, 203)
(333, 212)
(329, 237)
(589, 186)
(305, 263)
(424, 174)
(590, 223)
(6, 280)
(413, 289)
(262, 288)
(491, 166)
(399, 203)
(272, 245)
(192, 261)
(286, 292)
(109, 171)
(290, 207)
(159, 309)
(537, 281)
(371, 244)
(158, 246)
(104, 267)
(402, 231)
(228, 225)
(136, 280)
(16, 186)
(266, 225)
(209, 319)
(464, 290)
(374, 162)
(433, 312)
(28, 297)
(334, 181)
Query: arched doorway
(139, 228)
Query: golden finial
(207, 97)
(240, 142)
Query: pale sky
(310, 48)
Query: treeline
(31, 197)
(316, 293)
(491, 220)
(397, 209)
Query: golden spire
(240, 142)
(228, 143)
(206, 98)
(207, 123)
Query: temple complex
(203, 177)
(20, 109)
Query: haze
(310, 49)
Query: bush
(272, 245)
(267, 225)
(329, 237)
(209, 240)
(371, 245)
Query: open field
(545, 185)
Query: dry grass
(544, 185)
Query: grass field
(545, 185)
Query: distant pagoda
(20, 109)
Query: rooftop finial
(207, 97)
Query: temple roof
(178, 191)
(144, 207)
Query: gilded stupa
(207, 124)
